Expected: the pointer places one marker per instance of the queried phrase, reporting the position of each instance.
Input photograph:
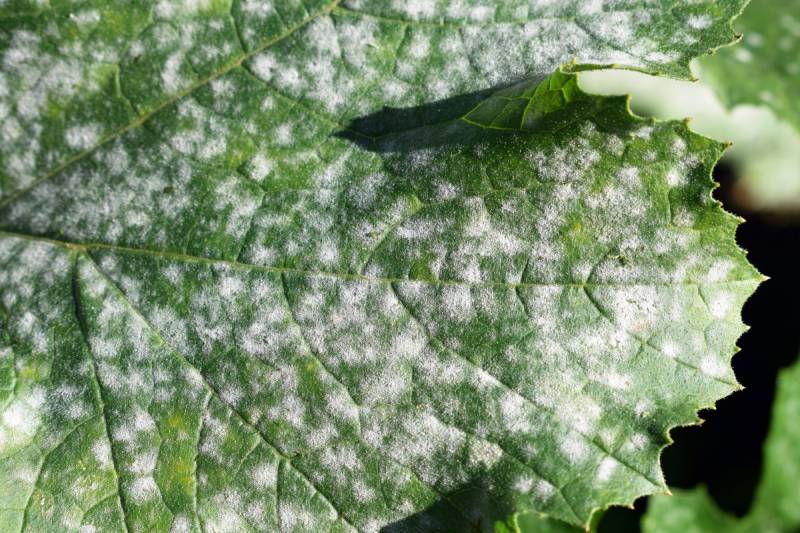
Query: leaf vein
(536, 404)
(178, 256)
(97, 387)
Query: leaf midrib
(391, 281)
(351, 276)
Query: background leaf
(765, 69)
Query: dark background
(725, 453)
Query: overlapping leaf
(244, 295)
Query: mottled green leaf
(341, 267)
(765, 68)
(777, 503)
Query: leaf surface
(261, 299)
(777, 502)
(763, 70)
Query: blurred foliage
(764, 69)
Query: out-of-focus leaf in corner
(764, 69)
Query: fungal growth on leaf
(348, 266)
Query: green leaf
(765, 68)
(688, 512)
(777, 503)
(260, 299)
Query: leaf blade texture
(261, 299)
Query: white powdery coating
(670, 349)
(713, 366)
(699, 22)
(675, 178)
(181, 524)
(102, 452)
(82, 137)
(637, 441)
(225, 520)
(544, 488)
(21, 418)
(264, 65)
(260, 167)
(485, 454)
(636, 309)
(458, 302)
(606, 469)
(575, 448)
(523, 484)
(143, 489)
(721, 305)
(264, 476)
(719, 271)
(617, 381)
